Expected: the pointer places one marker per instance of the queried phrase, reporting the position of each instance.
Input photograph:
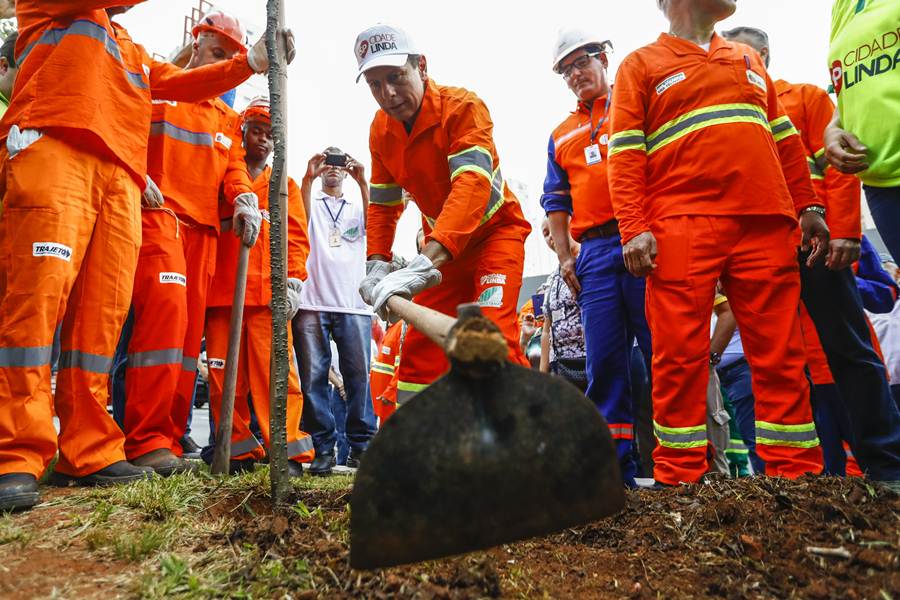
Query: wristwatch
(715, 358)
(816, 209)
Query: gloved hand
(19, 139)
(247, 218)
(152, 197)
(258, 57)
(420, 274)
(376, 270)
(294, 287)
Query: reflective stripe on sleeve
(680, 437)
(189, 363)
(383, 368)
(796, 436)
(34, 356)
(182, 135)
(406, 390)
(720, 114)
(245, 446)
(621, 431)
(298, 447)
(385, 194)
(497, 198)
(475, 159)
(155, 358)
(631, 139)
(85, 361)
(782, 128)
(814, 171)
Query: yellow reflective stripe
(475, 159)
(791, 444)
(814, 171)
(630, 139)
(405, 386)
(819, 154)
(778, 427)
(696, 120)
(680, 437)
(497, 199)
(383, 368)
(796, 436)
(678, 430)
(782, 128)
(385, 194)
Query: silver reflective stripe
(725, 113)
(385, 195)
(628, 140)
(298, 447)
(137, 80)
(36, 356)
(473, 157)
(681, 438)
(786, 436)
(91, 363)
(155, 358)
(182, 135)
(244, 446)
(404, 396)
(622, 431)
(189, 363)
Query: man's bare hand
(842, 253)
(815, 236)
(567, 272)
(315, 167)
(640, 254)
(844, 151)
(356, 170)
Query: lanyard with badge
(334, 237)
(592, 153)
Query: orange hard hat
(224, 24)
(257, 110)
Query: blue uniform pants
(612, 314)
(735, 378)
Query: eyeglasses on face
(579, 63)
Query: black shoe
(118, 472)
(322, 464)
(354, 457)
(18, 491)
(163, 461)
(189, 447)
(238, 466)
(295, 469)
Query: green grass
(10, 533)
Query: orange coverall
(70, 227)
(449, 165)
(716, 211)
(385, 372)
(256, 332)
(192, 147)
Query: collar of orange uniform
(429, 114)
(598, 106)
(263, 175)
(782, 86)
(683, 47)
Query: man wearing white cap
(436, 142)
(577, 202)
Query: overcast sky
(499, 49)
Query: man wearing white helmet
(436, 142)
(578, 206)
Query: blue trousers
(884, 204)
(735, 378)
(352, 334)
(833, 427)
(834, 303)
(339, 410)
(612, 315)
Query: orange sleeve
(840, 193)
(385, 205)
(794, 164)
(298, 234)
(63, 8)
(170, 82)
(237, 178)
(628, 149)
(473, 161)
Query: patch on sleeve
(757, 80)
(492, 297)
(493, 279)
(223, 139)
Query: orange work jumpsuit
(70, 227)
(256, 333)
(385, 372)
(717, 210)
(192, 147)
(449, 165)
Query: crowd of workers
(696, 188)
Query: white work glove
(415, 277)
(152, 197)
(247, 219)
(19, 139)
(258, 57)
(376, 270)
(294, 287)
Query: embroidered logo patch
(223, 139)
(53, 249)
(669, 82)
(492, 297)
(176, 278)
(216, 363)
(493, 279)
(757, 80)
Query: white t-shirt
(335, 269)
(887, 328)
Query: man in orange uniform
(256, 334)
(69, 235)
(437, 143)
(192, 148)
(830, 292)
(385, 372)
(679, 105)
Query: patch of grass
(132, 545)
(10, 533)
(161, 498)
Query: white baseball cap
(382, 46)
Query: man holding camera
(330, 309)
(437, 143)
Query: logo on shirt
(216, 363)
(493, 279)
(223, 139)
(880, 56)
(669, 82)
(53, 249)
(176, 278)
(757, 80)
(492, 297)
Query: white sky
(499, 49)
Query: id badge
(558, 315)
(592, 154)
(334, 238)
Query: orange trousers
(383, 377)
(69, 238)
(756, 260)
(176, 264)
(487, 272)
(253, 379)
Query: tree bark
(278, 190)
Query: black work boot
(189, 447)
(163, 461)
(322, 464)
(236, 466)
(354, 457)
(295, 469)
(18, 491)
(118, 472)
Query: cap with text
(382, 46)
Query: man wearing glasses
(577, 202)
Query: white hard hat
(570, 40)
(380, 46)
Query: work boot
(18, 491)
(322, 464)
(189, 447)
(353, 458)
(118, 472)
(295, 469)
(163, 461)
(236, 466)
